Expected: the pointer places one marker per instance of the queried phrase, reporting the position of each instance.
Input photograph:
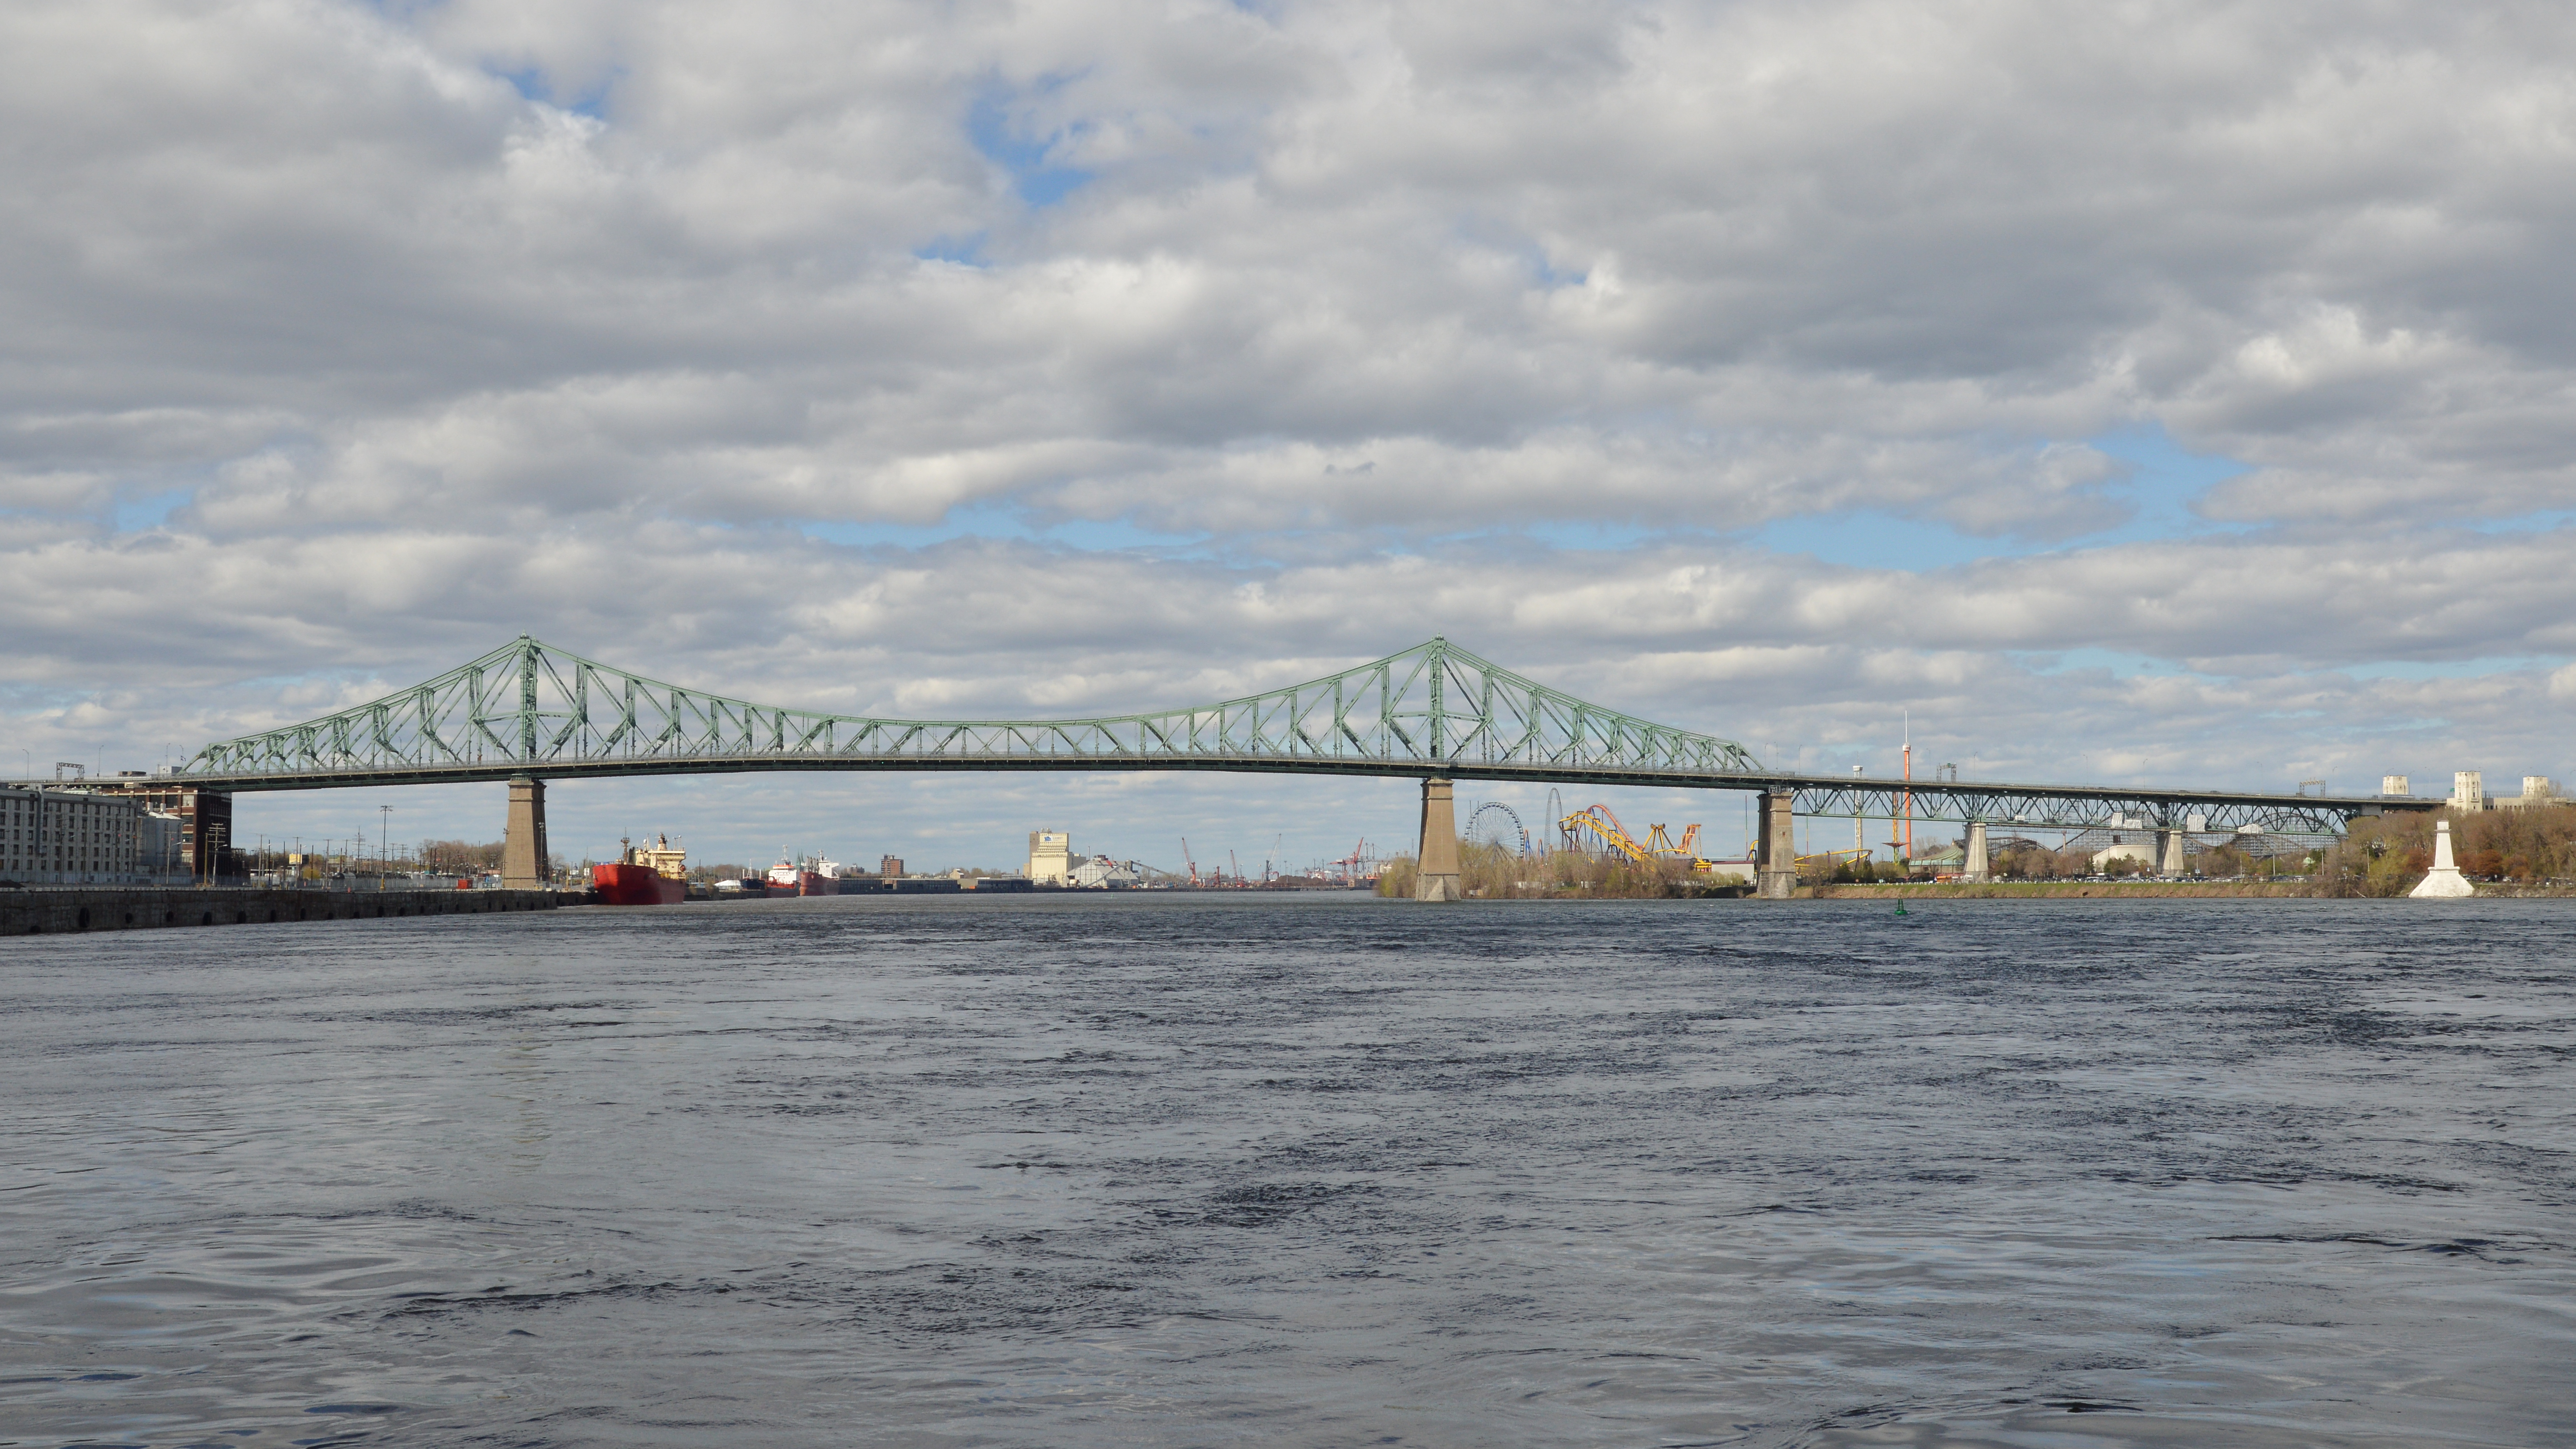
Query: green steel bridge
(529, 711)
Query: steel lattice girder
(2054, 807)
(528, 708)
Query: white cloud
(429, 325)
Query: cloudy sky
(2146, 392)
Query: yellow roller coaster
(1596, 828)
(1596, 824)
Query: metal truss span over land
(527, 709)
(530, 710)
(2084, 807)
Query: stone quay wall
(72, 911)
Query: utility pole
(384, 853)
(1860, 845)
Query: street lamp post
(1860, 842)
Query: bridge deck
(530, 710)
(2042, 806)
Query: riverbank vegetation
(2389, 855)
(1490, 872)
(2126, 889)
(2509, 851)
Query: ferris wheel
(1506, 832)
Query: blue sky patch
(135, 514)
(997, 125)
(2163, 482)
(2119, 663)
(534, 84)
(965, 251)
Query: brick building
(203, 815)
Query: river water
(1183, 1170)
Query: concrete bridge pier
(1775, 850)
(524, 861)
(1435, 875)
(2169, 852)
(1975, 866)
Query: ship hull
(636, 885)
(807, 883)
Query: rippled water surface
(1185, 1170)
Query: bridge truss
(528, 708)
(2086, 807)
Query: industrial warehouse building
(1050, 857)
(86, 837)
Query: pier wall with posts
(71, 912)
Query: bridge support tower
(2169, 859)
(1775, 850)
(524, 861)
(1975, 866)
(1435, 876)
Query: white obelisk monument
(2446, 879)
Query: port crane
(1350, 863)
(1192, 864)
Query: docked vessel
(808, 877)
(655, 875)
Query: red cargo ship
(655, 876)
(810, 878)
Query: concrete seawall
(70, 912)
